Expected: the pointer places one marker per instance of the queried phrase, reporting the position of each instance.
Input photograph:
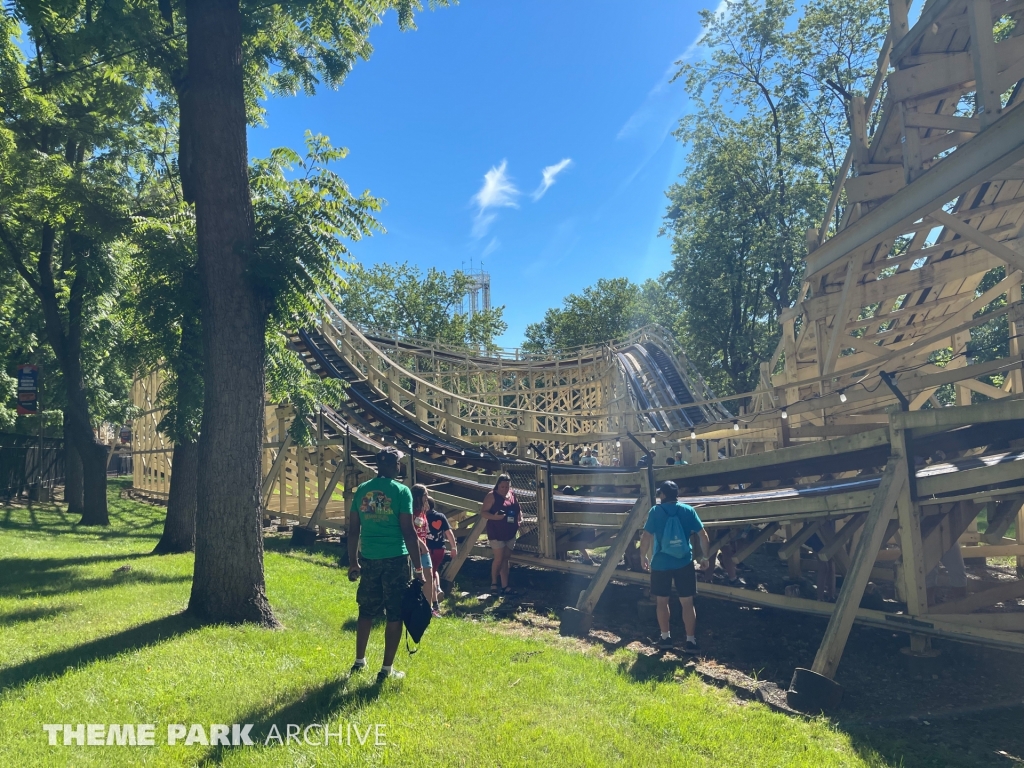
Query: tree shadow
(284, 546)
(101, 649)
(33, 614)
(317, 705)
(64, 580)
(660, 666)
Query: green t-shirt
(378, 503)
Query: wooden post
(983, 55)
(913, 571)
(464, 549)
(275, 470)
(545, 534)
(325, 495)
(300, 471)
(831, 649)
(637, 516)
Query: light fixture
(842, 396)
(504, 452)
(442, 451)
(463, 453)
(693, 434)
(784, 414)
(736, 425)
(618, 443)
(654, 440)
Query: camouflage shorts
(382, 584)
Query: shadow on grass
(643, 668)
(33, 614)
(284, 546)
(60, 580)
(135, 638)
(317, 705)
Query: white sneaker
(394, 675)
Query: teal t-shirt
(378, 503)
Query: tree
(603, 312)
(765, 141)
(400, 300)
(70, 133)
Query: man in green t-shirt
(381, 521)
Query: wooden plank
(321, 504)
(999, 250)
(983, 57)
(993, 550)
(466, 546)
(872, 186)
(1001, 410)
(275, 470)
(794, 543)
(980, 477)
(1011, 622)
(1013, 590)
(931, 14)
(789, 508)
(844, 535)
(913, 571)
(859, 442)
(829, 652)
(589, 597)
(591, 519)
(944, 122)
(766, 533)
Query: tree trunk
(73, 488)
(94, 473)
(228, 583)
(180, 524)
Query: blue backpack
(673, 540)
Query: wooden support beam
(464, 549)
(766, 533)
(1000, 250)
(983, 56)
(831, 649)
(321, 504)
(841, 538)
(1013, 590)
(589, 596)
(960, 171)
(275, 470)
(909, 513)
(793, 544)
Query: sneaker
(394, 675)
(435, 612)
(691, 646)
(665, 644)
(357, 668)
(739, 581)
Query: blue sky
(456, 123)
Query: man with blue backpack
(668, 529)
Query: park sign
(28, 389)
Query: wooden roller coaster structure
(843, 457)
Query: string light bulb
(442, 451)
(842, 396)
(784, 414)
(735, 425)
(654, 440)
(693, 434)
(618, 443)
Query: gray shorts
(508, 544)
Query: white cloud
(653, 105)
(548, 177)
(498, 191)
(491, 247)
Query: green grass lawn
(85, 640)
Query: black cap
(669, 490)
(389, 455)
